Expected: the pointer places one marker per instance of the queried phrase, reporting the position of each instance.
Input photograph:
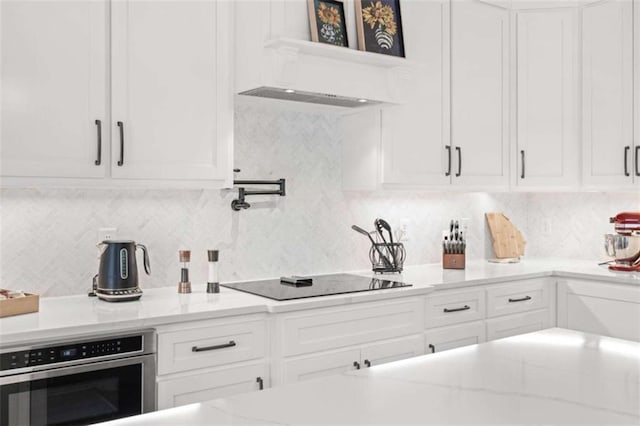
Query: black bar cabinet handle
(448, 148)
(121, 160)
(626, 160)
(367, 363)
(260, 383)
(464, 308)
(213, 348)
(638, 160)
(523, 163)
(523, 299)
(99, 130)
(459, 161)
(356, 364)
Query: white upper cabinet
(479, 94)
(607, 93)
(636, 97)
(172, 107)
(167, 119)
(546, 99)
(53, 85)
(415, 134)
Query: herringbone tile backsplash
(48, 236)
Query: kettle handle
(147, 266)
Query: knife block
(453, 261)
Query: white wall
(47, 240)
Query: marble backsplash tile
(47, 236)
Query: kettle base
(119, 295)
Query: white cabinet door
(207, 385)
(593, 307)
(53, 88)
(415, 134)
(546, 150)
(513, 325)
(479, 94)
(172, 89)
(607, 93)
(325, 364)
(636, 97)
(392, 350)
(445, 338)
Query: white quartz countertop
(554, 376)
(62, 317)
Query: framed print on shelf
(327, 22)
(380, 27)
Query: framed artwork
(380, 26)
(327, 22)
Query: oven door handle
(148, 361)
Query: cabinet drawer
(392, 350)
(454, 307)
(523, 296)
(513, 325)
(193, 388)
(455, 336)
(332, 328)
(209, 345)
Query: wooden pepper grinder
(184, 286)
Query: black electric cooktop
(320, 285)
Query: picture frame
(379, 26)
(327, 21)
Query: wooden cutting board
(508, 241)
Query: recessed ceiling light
(362, 101)
(289, 91)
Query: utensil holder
(453, 261)
(387, 257)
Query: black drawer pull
(367, 363)
(356, 364)
(213, 348)
(433, 349)
(522, 171)
(523, 299)
(464, 308)
(99, 130)
(260, 383)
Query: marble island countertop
(554, 376)
(68, 316)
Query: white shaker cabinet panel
(479, 94)
(456, 336)
(392, 350)
(513, 325)
(546, 149)
(53, 81)
(415, 134)
(326, 364)
(593, 307)
(607, 93)
(172, 90)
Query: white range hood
(275, 59)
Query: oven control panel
(76, 351)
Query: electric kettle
(117, 278)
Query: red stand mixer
(624, 246)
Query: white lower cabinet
(203, 386)
(456, 336)
(203, 360)
(512, 325)
(336, 362)
(594, 307)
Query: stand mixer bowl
(624, 248)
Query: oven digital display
(68, 353)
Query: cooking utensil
(383, 224)
(373, 243)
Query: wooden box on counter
(453, 261)
(20, 305)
